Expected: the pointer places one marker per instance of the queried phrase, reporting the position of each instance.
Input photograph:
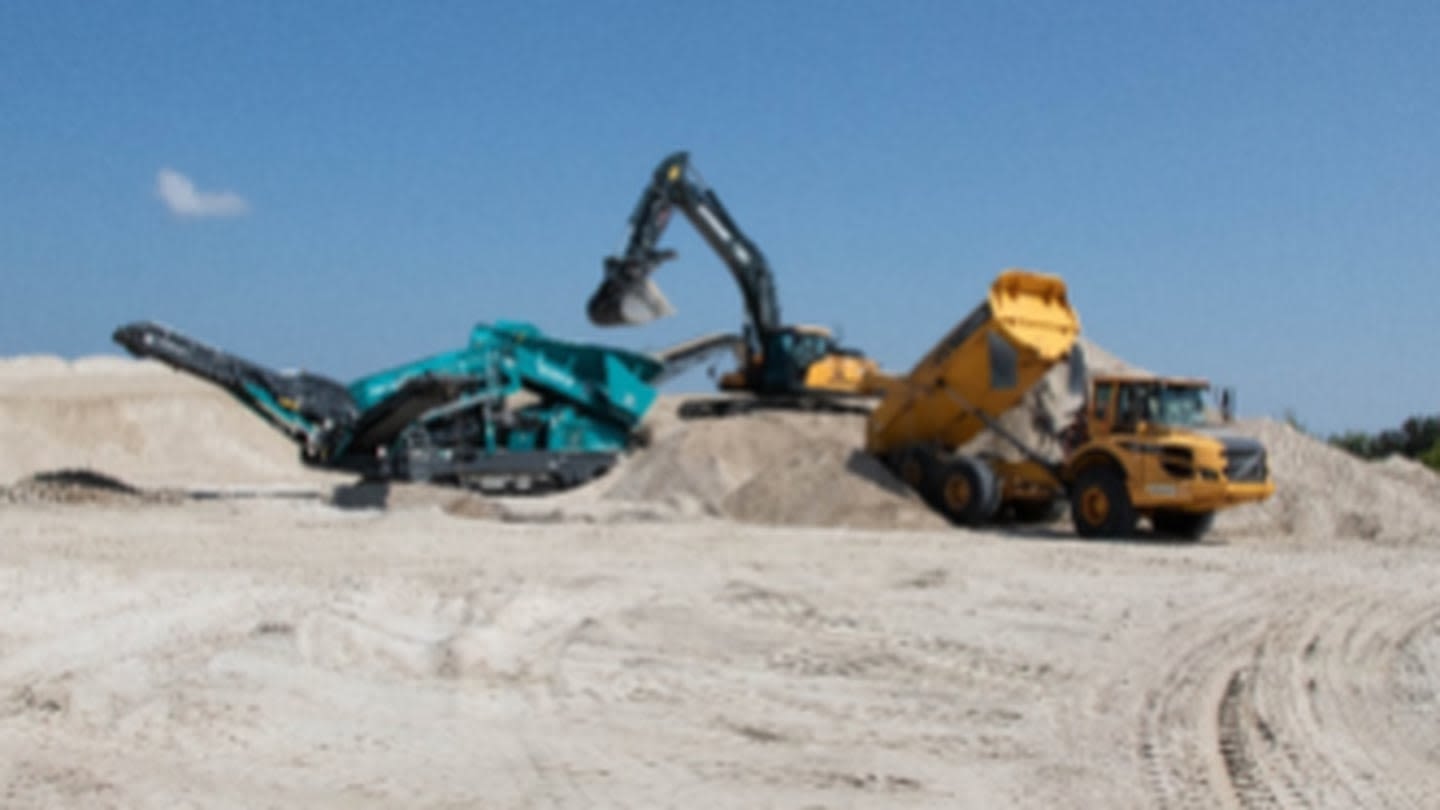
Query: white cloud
(184, 200)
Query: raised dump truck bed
(981, 369)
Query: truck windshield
(1181, 407)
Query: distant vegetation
(1417, 438)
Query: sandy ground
(647, 642)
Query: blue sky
(1247, 191)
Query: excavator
(780, 365)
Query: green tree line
(1417, 438)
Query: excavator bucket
(628, 296)
(618, 303)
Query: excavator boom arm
(628, 295)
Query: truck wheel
(1100, 505)
(1184, 525)
(965, 491)
(915, 466)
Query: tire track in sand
(1289, 709)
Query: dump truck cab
(1128, 404)
(1157, 436)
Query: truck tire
(915, 466)
(1183, 525)
(965, 491)
(1100, 504)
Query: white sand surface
(649, 641)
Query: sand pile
(1410, 473)
(138, 421)
(772, 467)
(1321, 491)
(1099, 360)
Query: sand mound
(138, 421)
(1322, 491)
(1411, 473)
(771, 467)
(30, 366)
(1099, 360)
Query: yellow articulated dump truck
(1140, 447)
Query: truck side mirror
(1227, 404)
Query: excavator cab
(775, 362)
(825, 365)
(799, 359)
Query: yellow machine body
(943, 399)
(1166, 465)
(1138, 449)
